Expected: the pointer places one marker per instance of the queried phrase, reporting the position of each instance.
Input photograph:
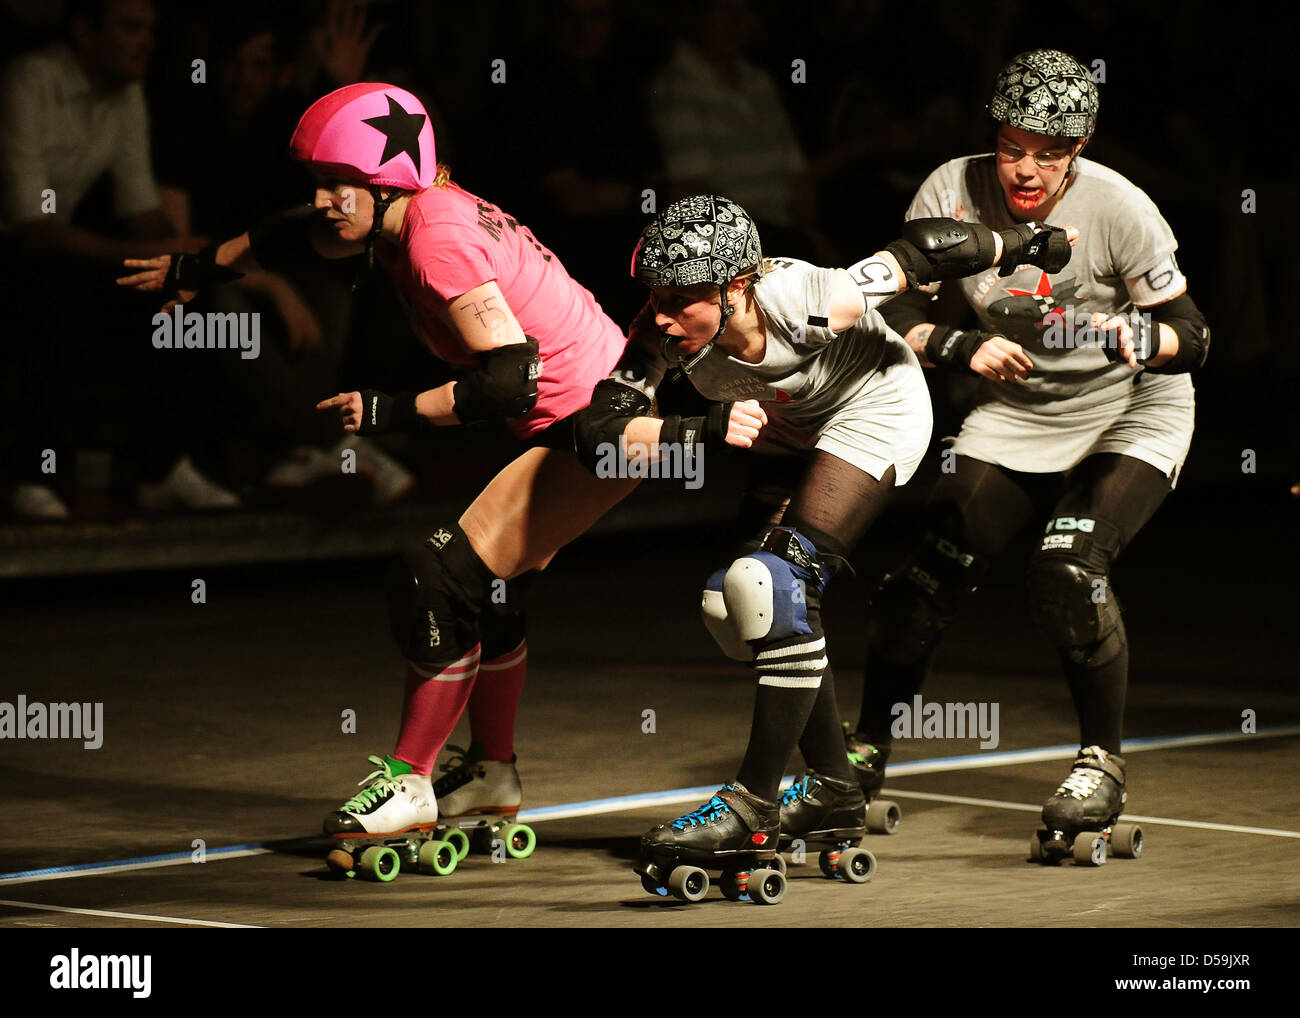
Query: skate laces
(1081, 783)
(460, 760)
(795, 792)
(713, 810)
(377, 784)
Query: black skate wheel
(856, 865)
(438, 858)
(379, 862)
(884, 817)
(1089, 849)
(519, 839)
(653, 887)
(766, 887)
(1126, 841)
(688, 883)
(1036, 847)
(457, 839)
(341, 863)
(734, 885)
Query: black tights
(980, 508)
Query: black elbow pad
(505, 385)
(612, 405)
(1183, 316)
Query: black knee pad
(503, 624)
(915, 603)
(436, 594)
(1069, 584)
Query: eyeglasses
(1048, 159)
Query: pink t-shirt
(453, 241)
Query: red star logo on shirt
(1043, 289)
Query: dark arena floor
(222, 742)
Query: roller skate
(480, 800)
(392, 822)
(1079, 820)
(734, 832)
(883, 816)
(818, 811)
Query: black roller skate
(823, 812)
(1079, 820)
(734, 832)
(883, 816)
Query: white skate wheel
(766, 887)
(1126, 841)
(688, 883)
(883, 817)
(1089, 849)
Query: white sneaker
(302, 466)
(388, 803)
(37, 502)
(474, 785)
(185, 488)
(392, 480)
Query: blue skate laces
(711, 812)
(795, 792)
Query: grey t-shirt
(1122, 237)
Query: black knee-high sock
(886, 683)
(789, 676)
(1099, 692)
(822, 742)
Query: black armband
(284, 239)
(693, 432)
(382, 413)
(1183, 316)
(505, 386)
(195, 272)
(602, 422)
(935, 249)
(953, 348)
(908, 310)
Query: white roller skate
(480, 801)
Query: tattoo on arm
(485, 311)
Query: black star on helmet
(401, 131)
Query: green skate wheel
(734, 885)
(1089, 849)
(438, 857)
(457, 839)
(519, 840)
(653, 887)
(688, 883)
(883, 817)
(341, 863)
(379, 862)
(766, 887)
(1126, 841)
(856, 865)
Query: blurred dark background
(832, 112)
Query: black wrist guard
(693, 432)
(284, 239)
(195, 272)
(1033, 244)
(953, 348)
(382, 413)
(505, 386)
(1146, 338)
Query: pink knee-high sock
(434, 703)
(495, 702)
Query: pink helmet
(375, 133)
